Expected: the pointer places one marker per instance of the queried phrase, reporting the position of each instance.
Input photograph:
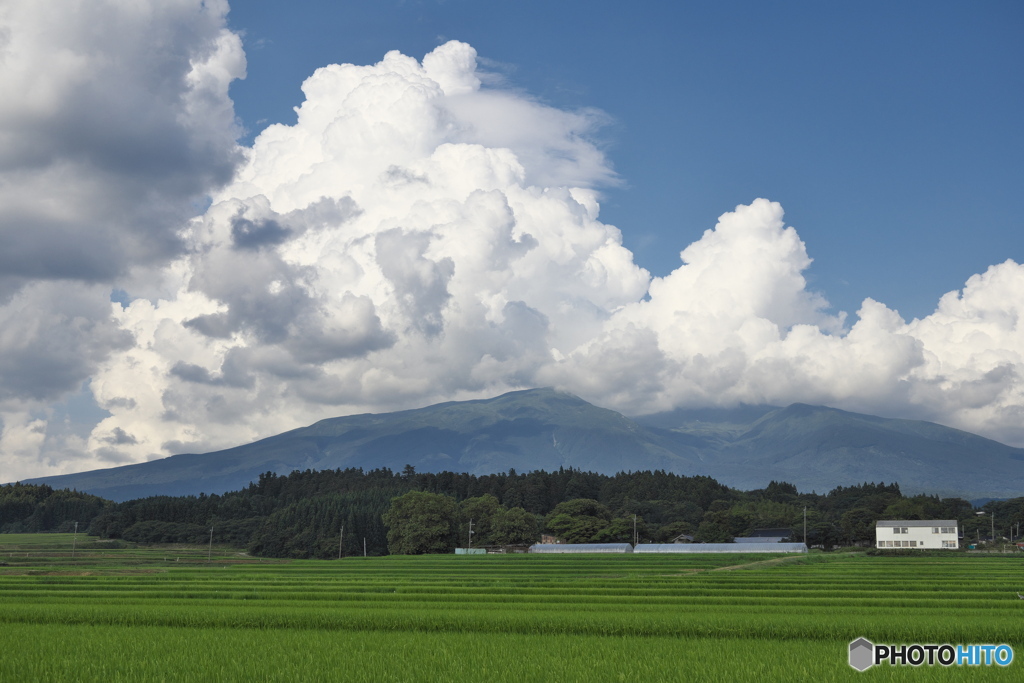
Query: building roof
(759, 539)
(916, 522)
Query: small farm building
(925, 534)
(581, 548)
(721, 548)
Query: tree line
(303, 514)
(34, 508)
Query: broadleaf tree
(515, 526)
(419, 522)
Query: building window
(935, 529)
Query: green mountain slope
(813, 447)
(524, 430)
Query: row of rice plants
(804, 604)
(39, 653)
(639, 620)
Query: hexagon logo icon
(862, 654)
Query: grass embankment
(167, 614)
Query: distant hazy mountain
(812, 447)
(819, 448)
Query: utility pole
(469, 542)
(805, 525)
(364, 546)
(634, 531)
(209, 553)
(74, 541)
(341, 539)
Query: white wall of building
(926, 534)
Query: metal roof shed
(581, 548)
(721, 548)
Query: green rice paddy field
(183, 614)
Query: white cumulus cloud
(380, 253)
(418, 236)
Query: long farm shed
(581, 548)
(721, 548)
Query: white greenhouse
(721, 548)
(581, 548)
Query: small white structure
(923, 534)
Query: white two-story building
(924, 534)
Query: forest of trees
(301, 515)
(29, 508)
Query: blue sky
(426, 227)
(889, 132)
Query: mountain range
(814, 447)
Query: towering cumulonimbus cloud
(380, 253)
(417, 236)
